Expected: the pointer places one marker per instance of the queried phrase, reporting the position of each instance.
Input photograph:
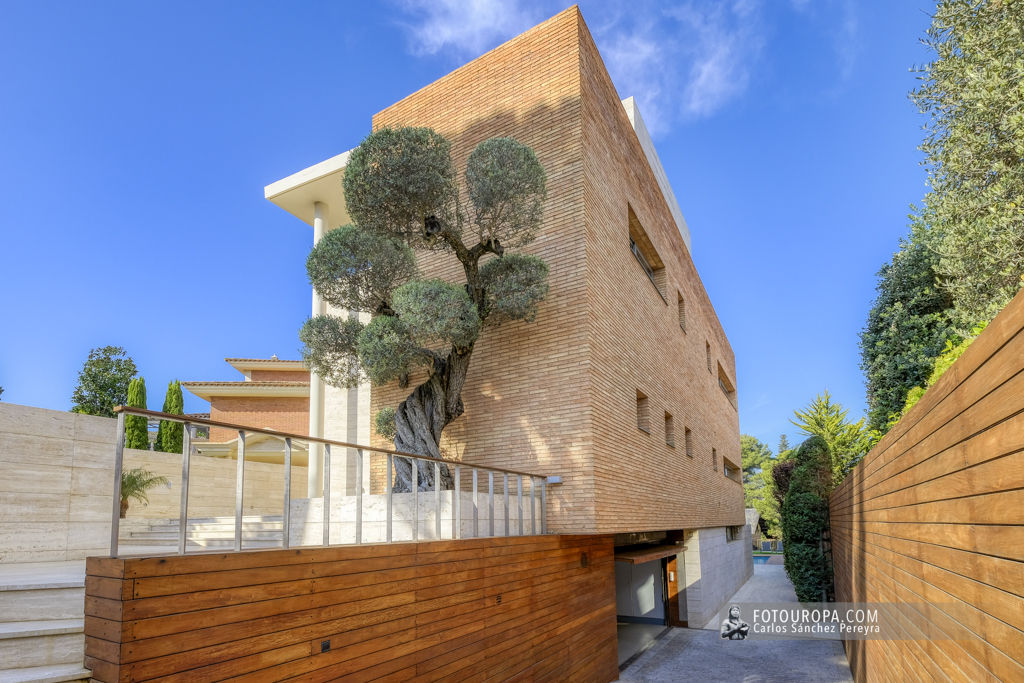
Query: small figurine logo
(734, 628)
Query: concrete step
(28, 603)
(35, 645)
(45, 674)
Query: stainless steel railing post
(115, 517)
(186, 457)
(239, 489)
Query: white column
(315, 484)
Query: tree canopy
(403, 195)
(103, 382)
(972, 93)
(846, 442)
(907, 328)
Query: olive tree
(404, 196)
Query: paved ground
(702, 655)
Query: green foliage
(758, 462)
(398, 178)
(804, 517)
(949, 355)
(330, 349)
(136, 431)
(847, 441)
(357, 270)
(437, 312)
(384, 423)
(809, 570)
(386, 350)
(973, 92)
(906, 328)
(135, 483)
(783, 445)
(754, 455)
(507, 189)
(171, 435)
(103, 382)
(514, 284)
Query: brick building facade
(624, 385)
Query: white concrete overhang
(258, 448)
(647, 144)
(244, 364)
(321, 182)
(206, 390)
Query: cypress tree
(171, 434)
(136, 435)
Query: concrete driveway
(686, 654)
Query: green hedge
(805, 522)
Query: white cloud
(465, 27)
(684, 60)
(681, 60)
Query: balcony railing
(363, 516)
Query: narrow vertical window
(714, 459)
(670, 430)
(688, 440)
(707, 352)
(682, 311)
(643, 415)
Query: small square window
(670, 430)
(643, 415)
(733, 533)
(688, 439)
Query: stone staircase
(41, 622)
(205, 533)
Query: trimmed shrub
(136, 432)
(805, 522)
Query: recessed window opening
(643, 415)
(707, 352)
(645, 254)
(682, 312)
(670, 430)
(714, 459)
(688, 440)
(726, 385)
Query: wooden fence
(934, 518)
(529, 607)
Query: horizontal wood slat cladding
(480, 609)
(933, 517)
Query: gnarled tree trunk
(420, 419)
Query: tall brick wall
(558, 396)
(525, 395)
(286, 414)
(637, 343)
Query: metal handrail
(190, 424)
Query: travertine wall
(715, 568)
(56, 483)
(54, 470)
(558, 396)
(933, 519)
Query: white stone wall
(56, 484)
(714, 570)
(307, 518)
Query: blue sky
(136, 139)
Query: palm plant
(134, 484)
